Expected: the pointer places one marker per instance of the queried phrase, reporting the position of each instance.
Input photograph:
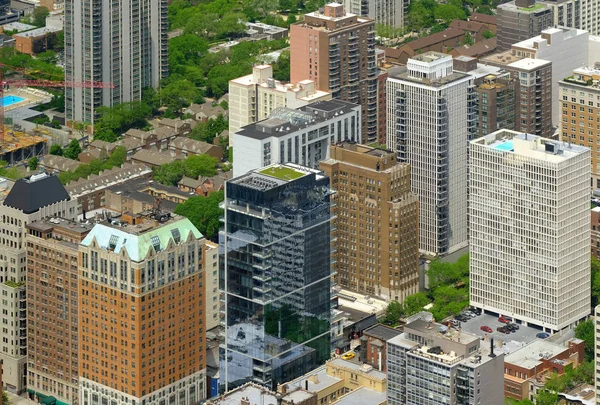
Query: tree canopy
(73, 150)
(117, 158)
(204, 213)
(113, 121)
(194, 166)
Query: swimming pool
(10, 100)
(506, 146)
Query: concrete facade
(530, 229)
(518, 22)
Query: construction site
(18, 144)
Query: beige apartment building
(142, 313)
(52, 327)
(213, 310)
(253, 97)
(377, 221)
(579, 99)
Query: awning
(62, 403)
(30, 391)
(40, 395)
(48, 401)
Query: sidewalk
(17, 400)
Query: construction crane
(40, 83)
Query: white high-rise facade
(530, 228)
(386, 12)
(431, 118)
(121, 42)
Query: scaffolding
(19, 146)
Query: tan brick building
(141, 314)
(377, 221)
(52, 252)
(579, 98)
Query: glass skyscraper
(276, 268)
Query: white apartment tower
(530, 228)
(431, 117)
(253, 97)
(386, 12)
(301, 136)
(121, 42)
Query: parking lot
(523, 335)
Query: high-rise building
(519, 20)
(276, 275)
(431, 118)
(142, 313)
(533, 103)
(429, 365)
(580, 14)
(337, 50)
(386, 12)
(496, 104)
(530, 229)
(124, 45)
(52, 296)
(30, 199)
(566, 48)
(213, 303)
(300, 136)
(377, 222)
(579, 102)
(253, 97)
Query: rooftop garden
(14, 284)
(579, 80)
(535, 7)
(283, 173)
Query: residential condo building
(579, 103)
(377, 221)
(530, 229)
(431, 117)
(495, 104)
(30, 199)
(142, 312)
(336, 49)
(301, 136)
(429, 364)
(122, 44)
(253, 97)
(276, 275)
(52, 305)
(519, 20)
(386, 12)
(580, 14)
(566, 48)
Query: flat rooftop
(382, 332)
(52, 223)
(273, 176)
(430, 56)
(438, 330)
(253, 392)
(359, 368)
(531, 43)
(317, 380)
(533, 146)
(531, 354)
(529, 64)
(362, 396)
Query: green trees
(36, 68)
(56, 150)
(73, 150)
(469, 39)
(204, 212)
(488, 34)
(207, 131)
(114, 121)
(585, 332)
(5, 400)
(448, 12)
(178, 93)
(117, 158)
(33, 163)
(281, 69)
(194, 166)
(38, 16)
(442, 273)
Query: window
(112, 243)
(156, 243)
(176, 235)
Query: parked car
(542, 335)
(357, 349)
(502, 329)
(476, 311)
(486, 329)
(503, 319)
(513, 326)
(348, 356)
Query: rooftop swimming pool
(506, 146)
(10, 100)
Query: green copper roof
(138, 245)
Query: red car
(486, 329)
(503, 320)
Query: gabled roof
(482, 47)
(484, 18)
(436, 38)
(471, 26)
(191, 145)
(35, 192)
(137, 246)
